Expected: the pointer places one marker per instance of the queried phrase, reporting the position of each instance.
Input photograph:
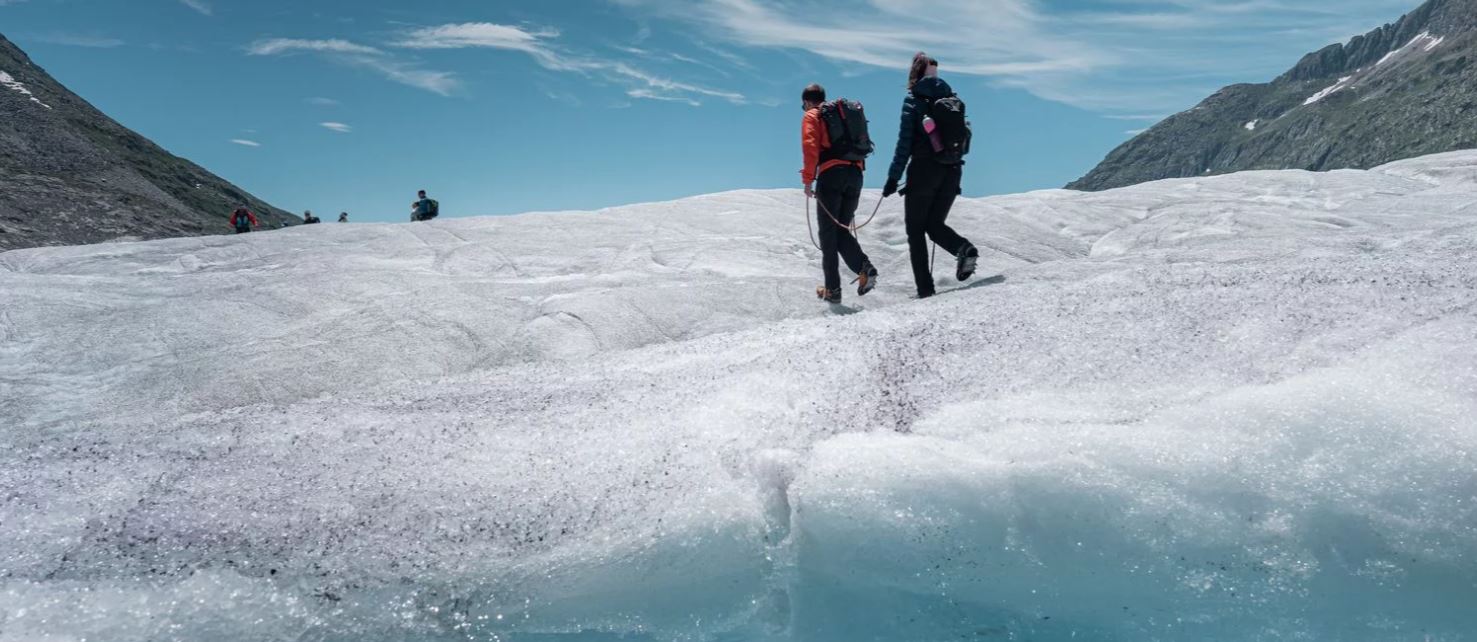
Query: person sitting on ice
(309, 219)
(424, 209)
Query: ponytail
(921, 63)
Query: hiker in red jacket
(243, 220)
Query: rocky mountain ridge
(70, 175)
(1403, 90)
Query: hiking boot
(866, 281)
(968, 257)
(829, 296)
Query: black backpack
(846, 123)
(953, 129)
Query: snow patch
(1342, 84)
(1251, 126)
(1425, 41)
(15, 85)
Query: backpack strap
(841, 117)
(837, 106)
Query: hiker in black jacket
(933, 179)
(424, 209)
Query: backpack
(846, 123)
(243, 220)
(952, 127)
(435, 209)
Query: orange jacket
(814, 139)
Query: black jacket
(911, 140)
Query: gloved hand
(809, 190)
(890, 188)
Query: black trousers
(932, 189)
(838, 191)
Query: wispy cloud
(361, 56)
(1117, 56)
(245, 143)
(990, 38)
(479, 34)
(274, 46)
(323, 102)
(647, 94)
(668, 56)
(198, 5)
(729, 57)
(538, 44)
(80, 40)
(336, 127)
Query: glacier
(1239, 407)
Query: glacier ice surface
(1229, 408)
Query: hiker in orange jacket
(836, 184)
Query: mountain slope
(70, 175)
(1400, 91)
(1217, 409)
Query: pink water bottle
(933, 134)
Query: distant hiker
(343, 217)
(424, 209)
(834, 142)
(309, 219)
(243, 220)
(935, 136)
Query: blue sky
(501, 107)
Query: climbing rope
(850, 228)
(810, 229)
